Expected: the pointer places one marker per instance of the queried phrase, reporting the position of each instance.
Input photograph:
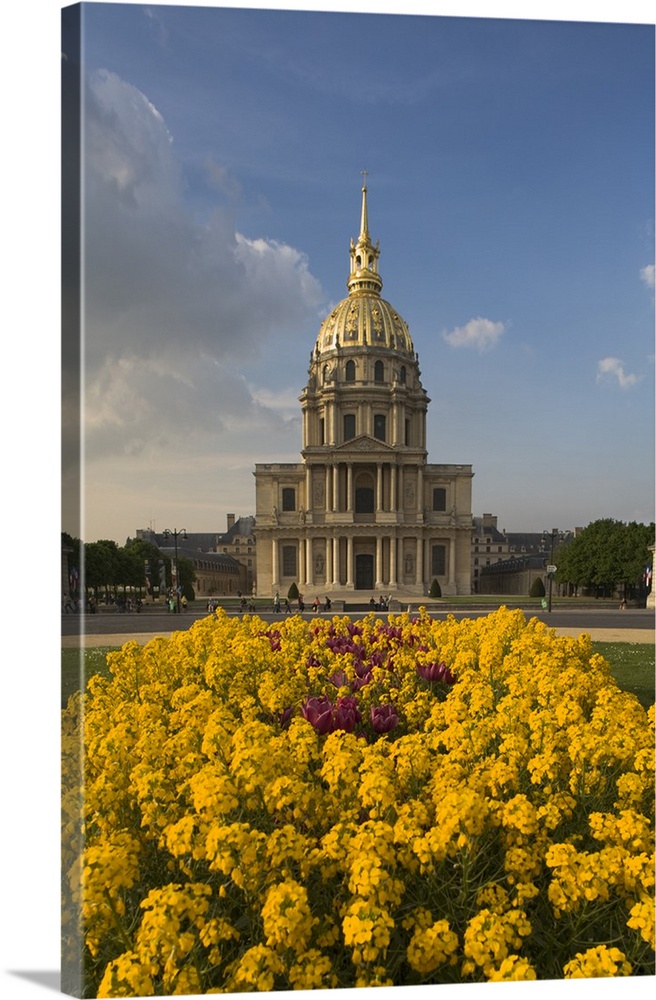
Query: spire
(364, 221)
(364, 275)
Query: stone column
(349, 562)
(420, 562)
(336, 486)
(309, 566)
(452, 558)
(349, 487)
(329, 486)
(336, 567)
(275, 572)
(301, 562)
(392, 542)
(420, 490)
(329, 561)
(379, 562)
(379, 486)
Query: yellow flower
(597, 962)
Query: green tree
(149, 556)
(186, 577)
(101, 565)
(606, 555)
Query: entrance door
(364, 571)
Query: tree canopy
(607, 555)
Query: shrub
(537, 588)
(292, 593)
(435, 590)
(331, 803)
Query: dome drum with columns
(363, 510)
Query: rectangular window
(439, 499)
(438, 560)
(322, 431)
(288, 498)
(349, 426)
(407, 433)
(289, 560)
(379, 426)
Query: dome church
(363, 510)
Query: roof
(242, 528)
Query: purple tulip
(339, 679)
(347, 715)
(285, 716)
(383, 718)
(359, 682)
(434, 672)
(319, 713)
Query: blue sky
(511, 185)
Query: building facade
(363, 510)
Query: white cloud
(174, 307)
(609, 369)
(479, 333)
(648, 275)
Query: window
(288, 498)
(322, 431)
(364, 500)
(289, 560)
(379, 372)
(439, 498)
(402, 375)
(379, 426)
(438, 560)
(350, 371)
(407, 432)
(349, 426)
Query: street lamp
(183, 534)
(551, 537)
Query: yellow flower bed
(332, 804)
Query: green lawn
(632, 664)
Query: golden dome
(364, 318)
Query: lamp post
(183, 534)
(551, 536)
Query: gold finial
(364, 221)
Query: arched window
(349, 426)
(379, 372)
(402, 375)
(379, 426)
(349, 371)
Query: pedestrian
(288, 607)
(328, 604)
(276, 603)
(315, 604)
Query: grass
(632, 665)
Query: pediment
(364, 444)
